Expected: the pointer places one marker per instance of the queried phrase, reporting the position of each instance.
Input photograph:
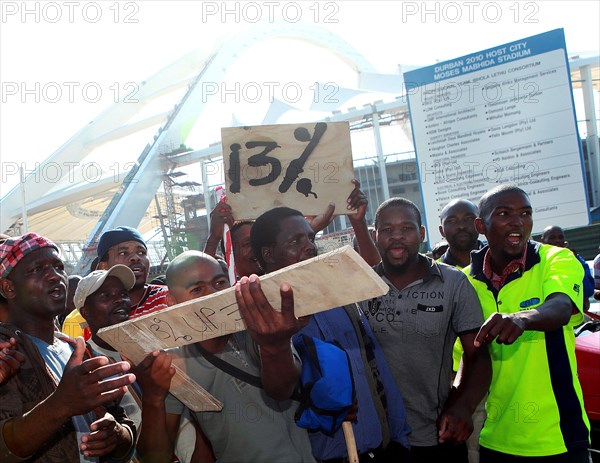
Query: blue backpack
(327, 388)
(326, 391)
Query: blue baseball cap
(117, 236)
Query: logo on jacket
(430, 308)
(529, 302)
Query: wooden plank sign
(302, 166)
(324, 282)
(134, 344)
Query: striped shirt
(155, 298)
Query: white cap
(91, 283)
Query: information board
(501, 115)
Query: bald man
(251, 416)
(457, 226)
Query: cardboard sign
(302, 166)
(324, 282)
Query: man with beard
(458, 228)
(59, 406)
(417, 322)
(282, 237)
(532, 296)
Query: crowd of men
(466, 358)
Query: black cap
(117, 236)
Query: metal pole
(206, 192)
(592, 133)
(380, 158)
(162, 227)
(23, 201)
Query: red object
(229, 258)
(13, 250)
(587, 350)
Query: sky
(105, 47)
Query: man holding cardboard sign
(282, 237)
(255, 424)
